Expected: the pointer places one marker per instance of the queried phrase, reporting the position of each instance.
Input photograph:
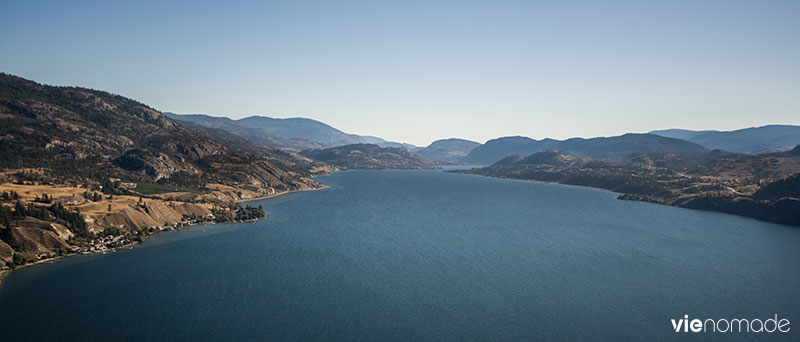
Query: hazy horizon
(417, 72)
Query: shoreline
(6, 273)
(639, 198)
(279, 194)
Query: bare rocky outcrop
(29, 238)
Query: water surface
(421, 255)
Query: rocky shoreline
(103, 248)
(115, 244)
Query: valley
(85, 170)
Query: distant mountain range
(694, 145)
(251, 133)
(293, 134)
(754, 140)
(448, 151)
(597, 148)
(298, 134)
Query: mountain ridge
(448, 151)
(596, 148)
(294, 134)
(751, 140)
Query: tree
(19, 210)
(43, 199)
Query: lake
(422, 255)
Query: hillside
(77, 164)
(448, 151)
(301, 128)
(597, 148)
(281, 158)
(96, 134)
(762, 166)
(762, 186)
(754, 140)
(254, 134)
(369, 157)
(550, 157)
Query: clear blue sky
(418, 71)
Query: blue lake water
(422, 255)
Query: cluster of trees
(237, 213)
(10, 196)
(45, 198)
(112, 231)
(22, 259)
(55, 212)
(108, 187)
(92, 196)
(193, 199)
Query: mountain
(448, 151)
(281, 158)
(368, 139)
(301, 128)
(596, 148)
(254, 134)
(84, 170)
(293, 134)
(678, 133)
(496, 149)
(95, 133)
(620, 146)
(754, 140)
(369, 157)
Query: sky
(417, 71)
